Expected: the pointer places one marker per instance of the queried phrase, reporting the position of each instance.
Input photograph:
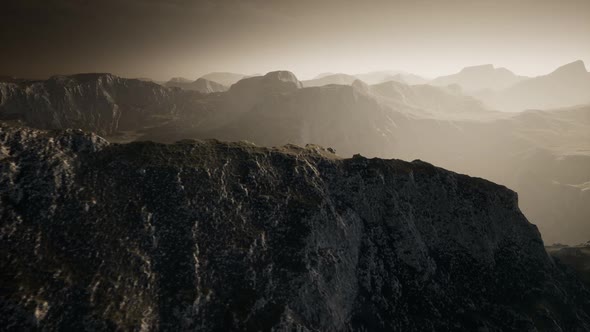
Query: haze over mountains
(201, 84)
(566, 86)
(309, 165)
(499, 88)
(284, 230)
(482, 77)
(226, 79)
(543, 155)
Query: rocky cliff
(229, 236)
(99, 102)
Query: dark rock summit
(203, 235)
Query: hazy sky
(160, 39)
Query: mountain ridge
(480, 77)
(566, 86)
(290, 238)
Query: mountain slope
(229, 236)
(327, 115)
(568, 85)
(543, 155)
(350, 118)
(206, 86)
(99, 102)
(427, 100)
(225, 79)
(482, 77)
(410, 79)
(342, 79)
(201, 85)
(378, 77)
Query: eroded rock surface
(203, 235)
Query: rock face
(229, 236)
(99, 102)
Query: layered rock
(229, 236)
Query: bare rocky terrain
(231, 236)
(544, 155)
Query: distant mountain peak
(360, 86)
(338, 78)
(480, 77)
(200, 79)
(577, 66)
(249, 91)
(323, 75)
(179, 80)
(282, 75)
(479, 68)
(207, 86)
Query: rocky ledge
(204, 235)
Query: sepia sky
(160, 39)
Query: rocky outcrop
(99, 102)
(229, 236)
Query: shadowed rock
(229, 236)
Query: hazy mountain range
(543, 155)
(201, 84)
(391, 75)
(566, 86)
(226, 79)
(499, 88)
(306, 223)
